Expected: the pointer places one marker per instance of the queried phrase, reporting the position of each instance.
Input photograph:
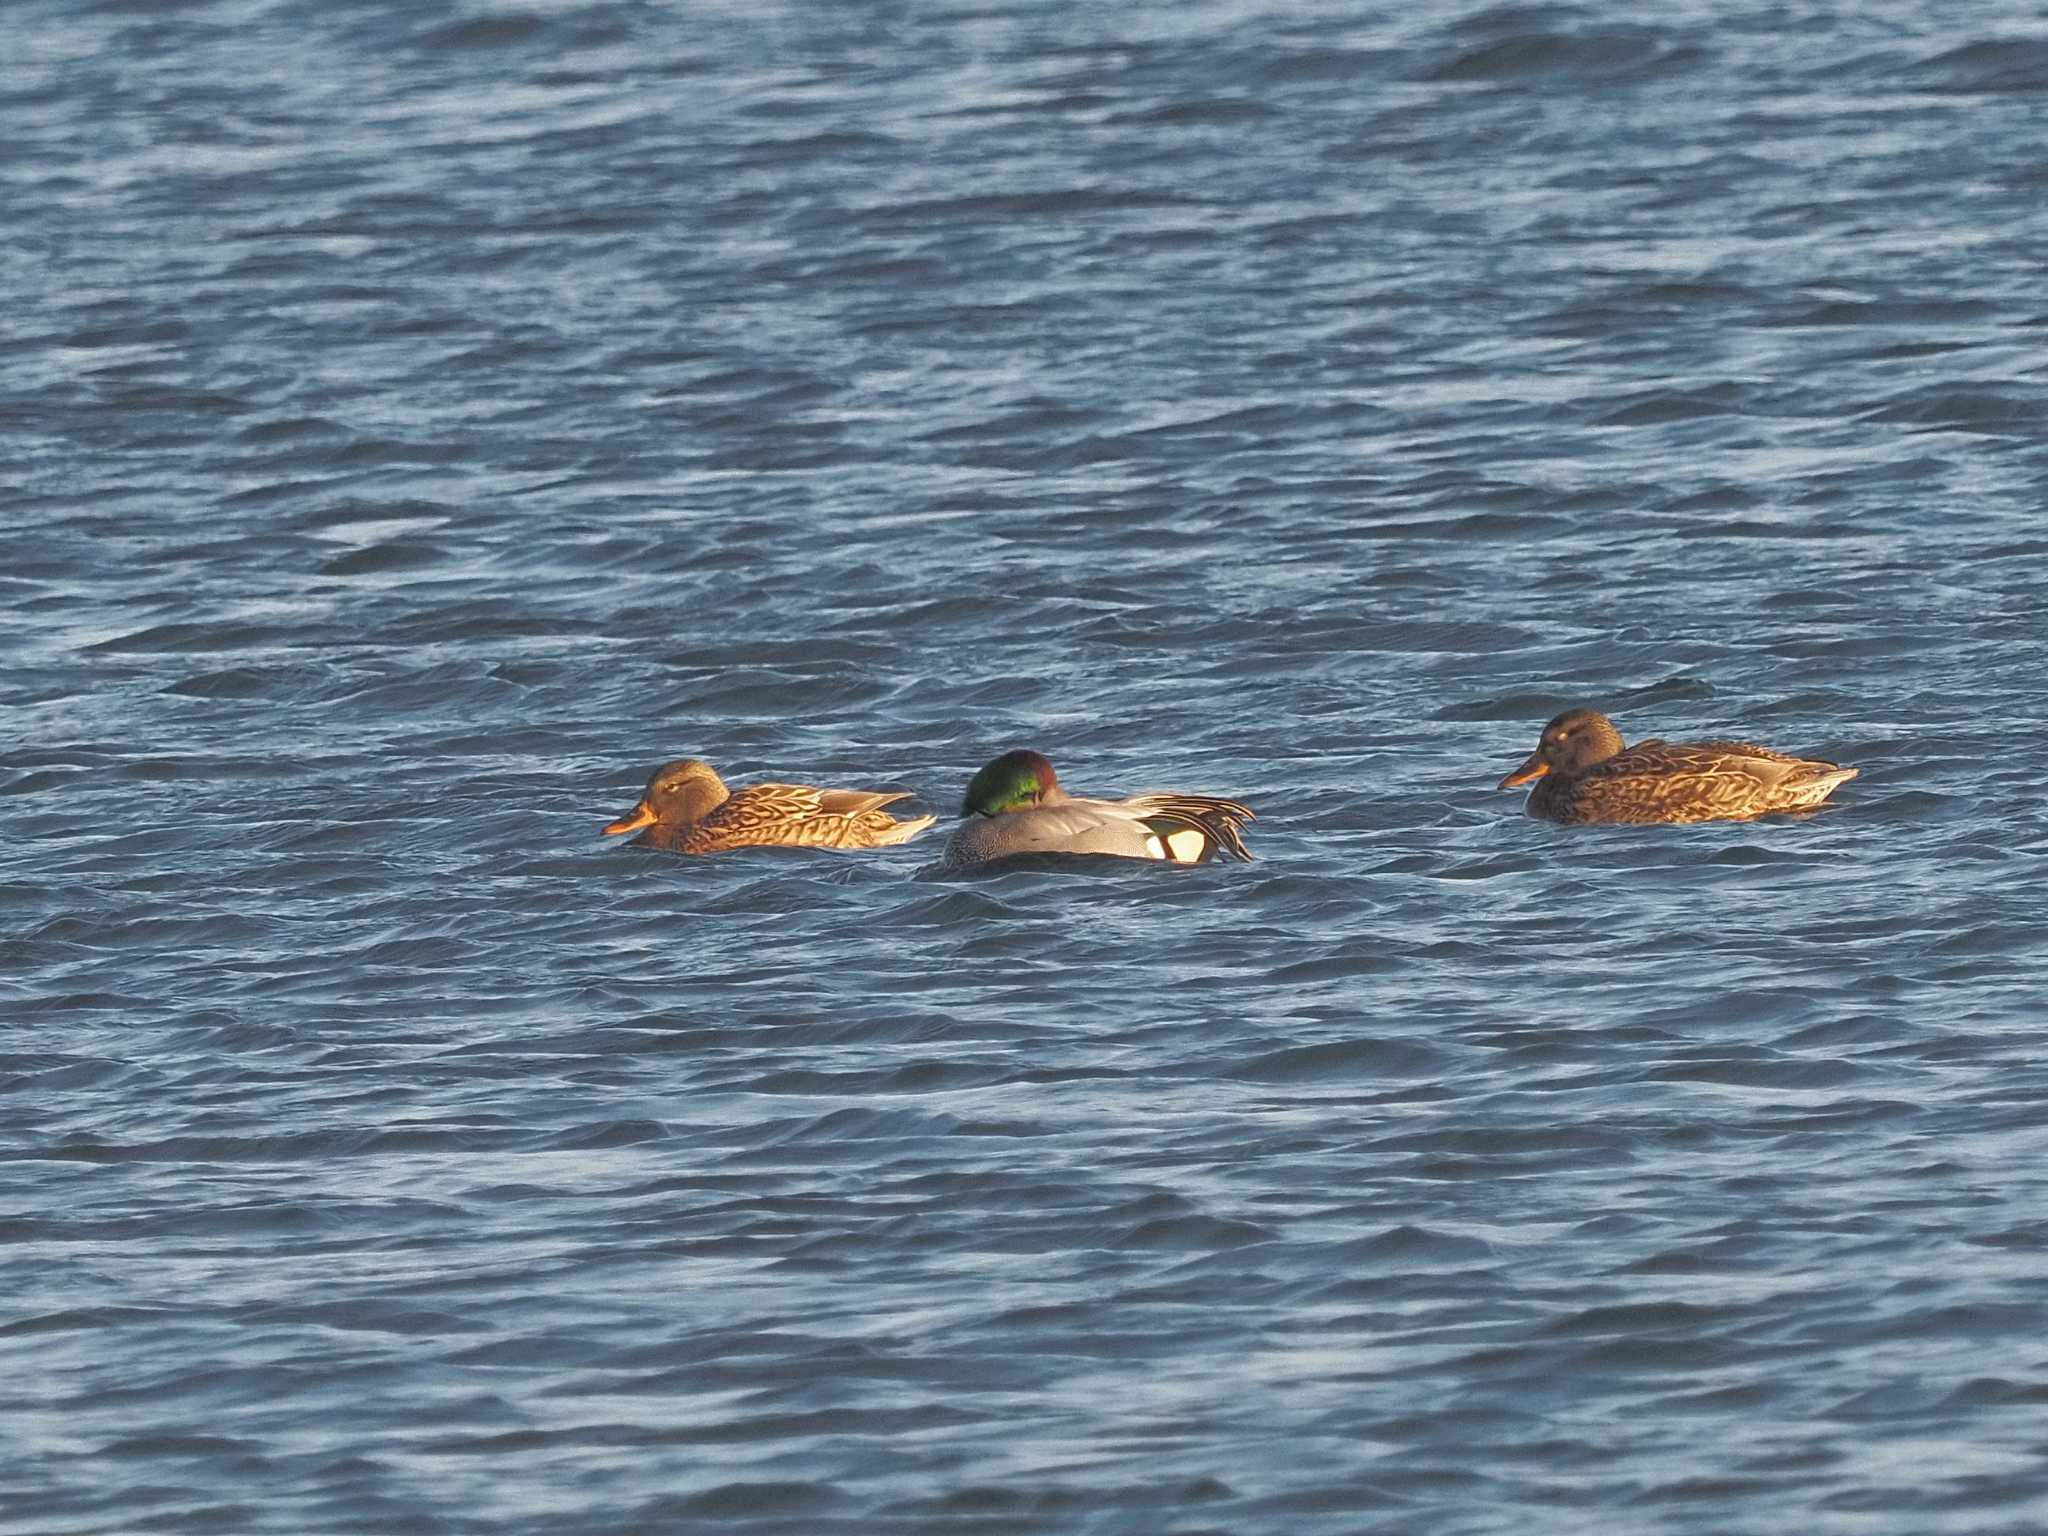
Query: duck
(1584, 774)
(1016, 805)
(688, 809)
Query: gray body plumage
(1181, 829)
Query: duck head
(677, 793)
(1571, 743)
(1016, 781)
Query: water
(421, 419)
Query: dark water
(419, 419)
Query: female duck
(1015, 805)
(688, 809)
(1584, 774)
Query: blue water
(421, 419)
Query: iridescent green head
(1016, 781)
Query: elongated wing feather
(1219, 820)
(1698, 760)
(852, 802)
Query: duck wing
(1689, 759)
(1701, 781)
(851, 802)
(1069, 826)
(806, 816)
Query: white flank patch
(1183, 847)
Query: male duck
(1584, 774)
(688, 809)
(1015, 805)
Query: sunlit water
(419, 420)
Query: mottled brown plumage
(688, 809)
(1585, 774)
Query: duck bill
(1531, 770)
(642, 815)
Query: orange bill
(642, 815)
(1534, 768)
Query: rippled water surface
(420, 419)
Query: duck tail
(901, 831)
(1816, 784)
(1188, 828)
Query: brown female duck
(1584, 774)
(688, 809)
